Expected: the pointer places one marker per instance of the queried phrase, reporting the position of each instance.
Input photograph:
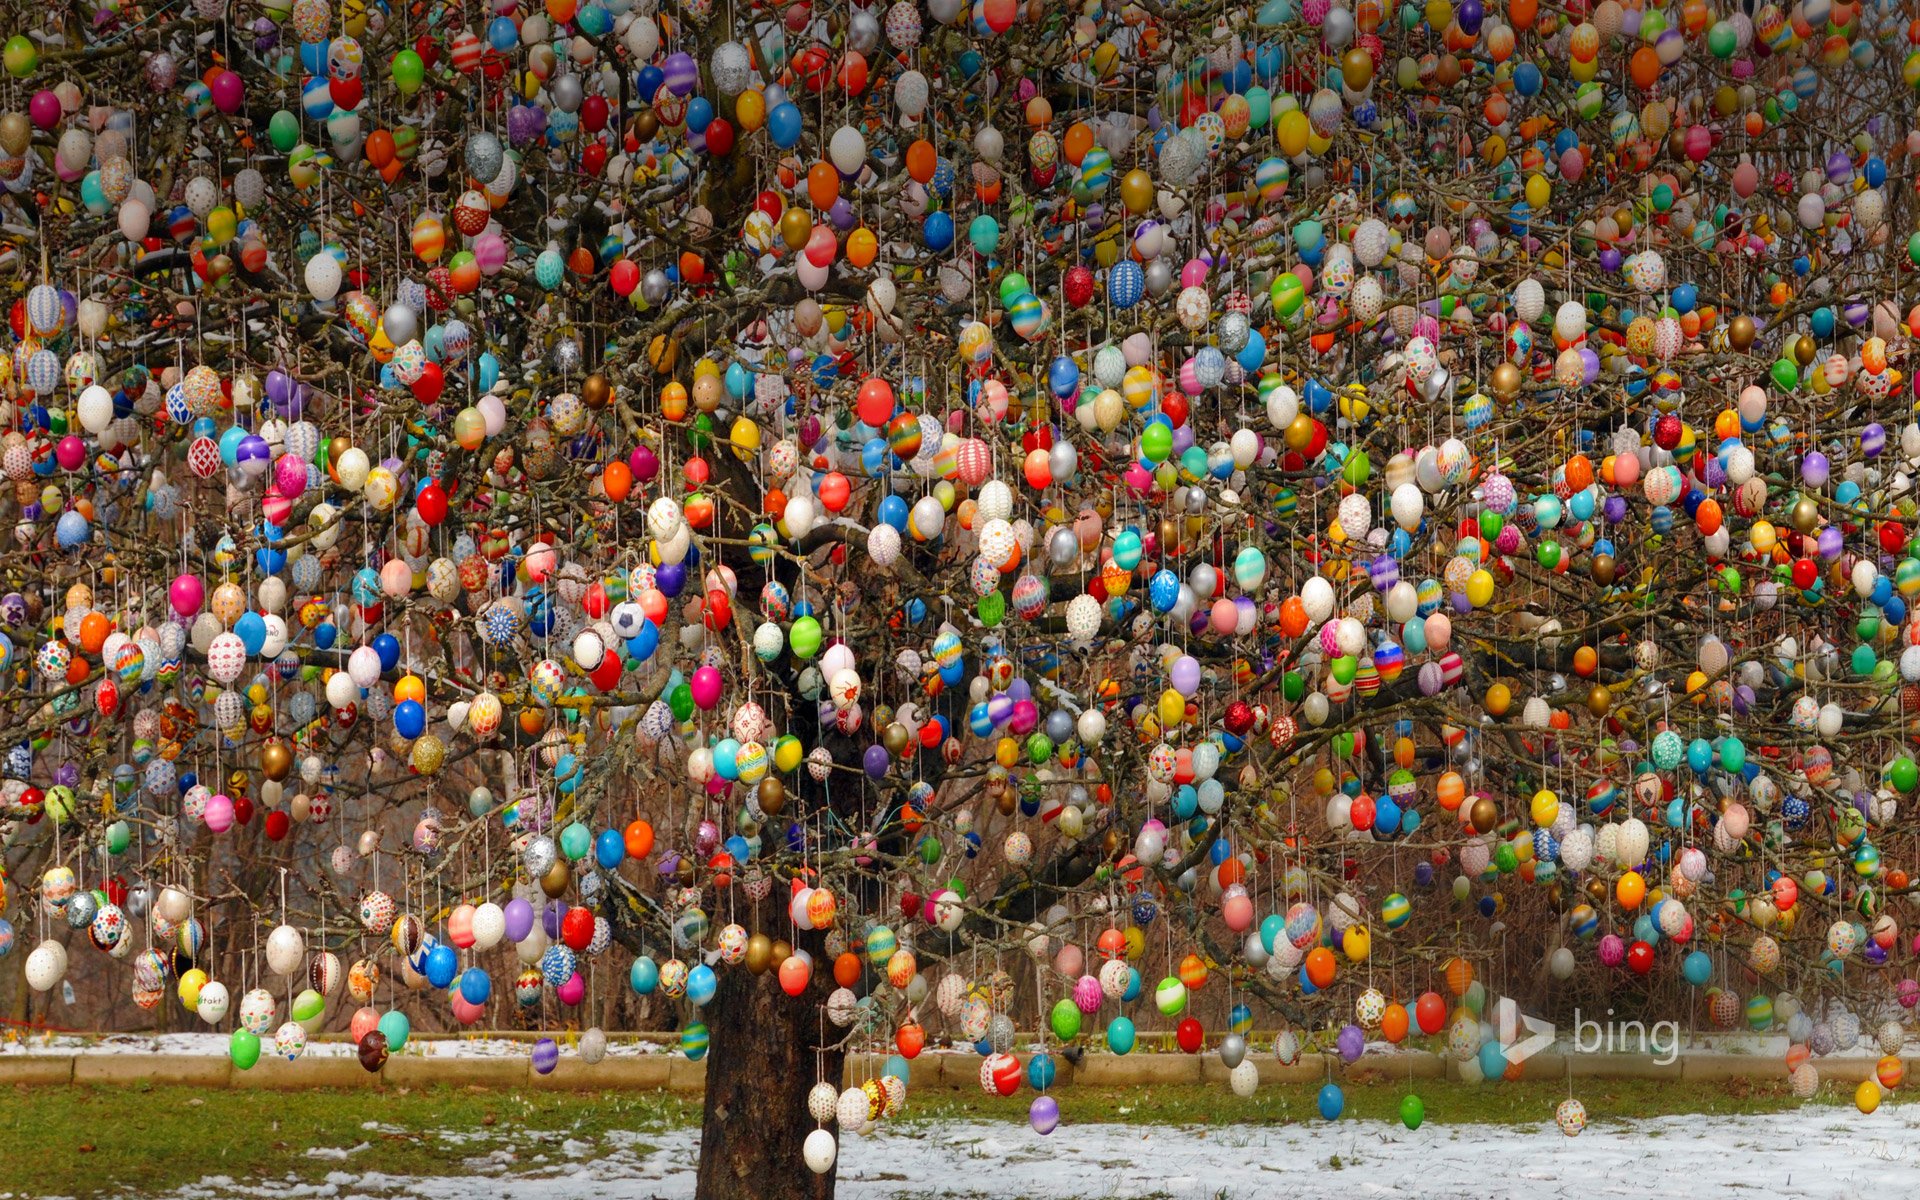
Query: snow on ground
(1817, 1153)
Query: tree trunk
(765, 1057)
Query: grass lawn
(94, 1142)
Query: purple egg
(519, 916)
(876, 760)
(680, 73)
(279, 387)
(546, 1055)
(1610, 260)
(550, 918)
(1353, 1041)
(1044, 1114)
(1873, 439)
(525, 123)
(1814, 468)
(670, 578)
(841, 214)
(1423, 874)
(1832, 542)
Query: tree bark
(766, 1055)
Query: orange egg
(94, 628)
(1459, 974)
(410, 687)
(1393, 1023)
(1630, 890)
(616, 480)
(823, 185)
(1078, 141)
(862, 247)
(1320, 966)
(846, 969)
(921, 161)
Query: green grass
(1372, 1095)
(96, 1142)
(92, 1142)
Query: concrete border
(958, 1070)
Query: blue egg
(409, 719)
(442, 962)
(609, 848)
(475, 986)
(1493, 1059)
(1041, 1071)
(784, 125)
(644, 976)
(937, 231)
(1332, 1102)
(701, 984)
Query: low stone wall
(952, 1070)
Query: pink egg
(219, 815)
(186, 594)
(290, 476)
(573, 991)
(1070, 960)
(705, 686)
(228, 92)
(44, 109)
(1224, 616)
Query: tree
(888, 588)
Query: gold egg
(276, 761)
(773, 796)
(1599, 699)
(782, 950)
(1804, 348)
(1484, 814)
(554, 882)
(597, 391)
(1506, 381)
(1741, 333)
(759, 953)
(15, 134)
(1805, 515)
(1603, 569)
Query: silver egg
(567, 92)
(81, 909)
(1233, 1050)
(401, 324)
(1062, 546)
(653, 286)
(1159, 277)
(538, 858)
(1232, 332)
(484, 156)
(567, 356)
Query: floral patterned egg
(257, 1010)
